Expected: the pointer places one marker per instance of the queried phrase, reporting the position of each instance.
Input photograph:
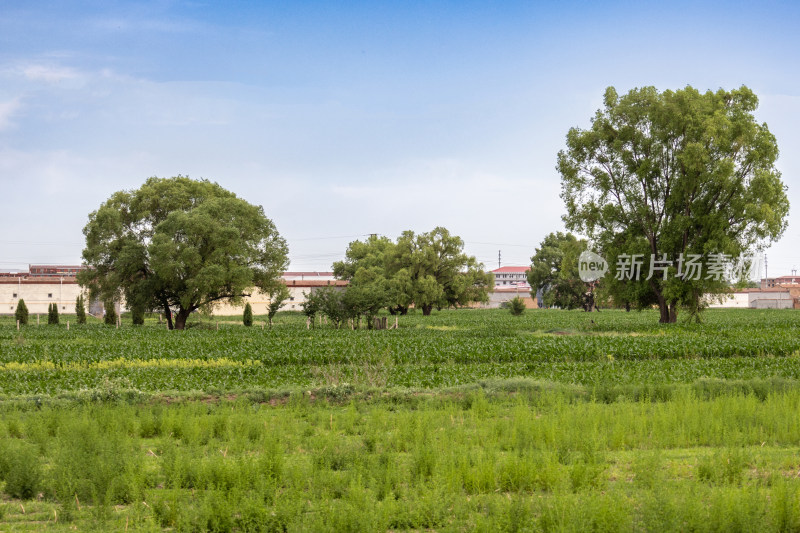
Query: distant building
(768, 283)
(39, 293)
(308, 276)
(55, 270)
(40, 290)
(512, 276)
(772, 298)
(298, 290)
(500, 297)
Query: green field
(465, 420)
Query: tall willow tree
(179, 244)
(671, 175)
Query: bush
(247, 318)
(21, 313)
(21, 469)
(137, 315)
(52, 314)
(111, 314)
(80, 310)
(517, 306)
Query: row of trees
(21, 314)
(664, 174)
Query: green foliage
(52, 314)
(471, 419)
(611, 354)
(554, 270)
(94, 463)
(277, 299)
(432, 270)
(665, 174)
(472, 459)
(311, 305)
(516, 306)
(21, 313)
(427, 270)
(192, 244)
(80, 309)
(21, 469)
(137, 315)
(332, 305)
(110, 315)
(247, 316)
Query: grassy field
(465, 420)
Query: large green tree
(554, 271)
(372, 285)
(179, 244)
(432, 270)
(427, 270)
(671, 175)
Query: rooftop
(511, 270)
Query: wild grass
(539, 461)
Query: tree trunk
(668, 311)
(673, 312)
(168, 315)
(663, 308)
(180, 318)
(426, 309)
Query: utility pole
(498, 258)
(766, 267)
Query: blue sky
(348, 119)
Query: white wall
(38, 296)
(734, 299)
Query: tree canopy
(427, 270)
(554, 270)
(180, 244)
(672, 176)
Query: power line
(501, 244)
(327, 238)
(42, 243)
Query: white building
(776, 298)
(39, 293)
(512, 276)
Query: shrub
(21, 470)
(111, 314)
(21, 313)
(137, 315)
(247, 318)
(52, 314)
(516, 305)
(80, 310)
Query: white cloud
(49, 73)
(7, 109)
